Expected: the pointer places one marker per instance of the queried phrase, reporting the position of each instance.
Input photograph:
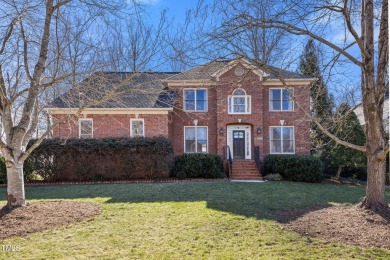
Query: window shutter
(248, 104)
(230, 104)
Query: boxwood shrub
(198, 165)
(294, 167)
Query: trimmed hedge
(294, 167)
(102, 159)
(198, 165)
(27, 171)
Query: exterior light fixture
(258, 131)
(221, 131)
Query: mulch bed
(40, 216)
(348, 224)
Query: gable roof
(209, 70)
(119, 90)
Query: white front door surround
(247, 129)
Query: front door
(239, 144)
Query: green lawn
(188, 220)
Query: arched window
(239, 102)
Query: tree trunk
(15, 185)
(375, 194)
(338, 173)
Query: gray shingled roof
(119, 90)
(205, 71)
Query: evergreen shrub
(198, 165)
(294, 167)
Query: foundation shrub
(102, 159)
(294, 167)
(198, 165)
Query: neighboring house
(222, 106)
(359, 113)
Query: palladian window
(239, 102)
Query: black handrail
(258, 162)
(228, 157)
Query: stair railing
(228, 158)
(259, 163)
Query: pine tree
(348, 128)
(321, 102)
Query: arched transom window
(239, 102)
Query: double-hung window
(239, 102)
(195, 139)
(195, 100)
(137, 128)
(86, 128)
(280, 99)
(282, 140)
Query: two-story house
(227, 107)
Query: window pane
(190, 146)
(189, 94)
(239, 100)
(276, 146)
(239, 92)
(288, 140)
(276, 133)
(190, 105)
(275, 101)
(201, 105)
(137, 127)
(201, 94)
(86, 128)
(190, 133)
(201, 139)
(288, 146)
(287, 100)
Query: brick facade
(217, 119)
(217, 116)
(110, 125)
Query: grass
(188, 220)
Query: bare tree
(44, 45)
(313, 19)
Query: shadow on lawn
(258, 200)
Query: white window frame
(195, 110)
(131, 127)
(248, 103)
(281, 140)
(289, 90)
(207, 135)
(85, 119)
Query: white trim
(184, 137)
(295, 82)
(131, 126)
(85, 119)
(109, 111)
(196, 111)
(281, 100)
(248, 139)
(244, 63)
(269, 134)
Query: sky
(176, 9)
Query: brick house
(229, 107)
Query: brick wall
(107, 125)
(217, 116)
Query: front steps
(245, 170)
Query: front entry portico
(239, 141)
